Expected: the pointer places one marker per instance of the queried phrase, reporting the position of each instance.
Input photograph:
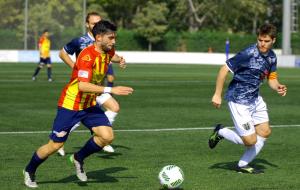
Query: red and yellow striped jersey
(91, 66)
(44, 46)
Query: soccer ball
(171, 176)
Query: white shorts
(103, 98)
(245, 117)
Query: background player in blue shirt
(75, 47)
(248, 110)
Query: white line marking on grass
(135, 130)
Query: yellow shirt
(44, 46)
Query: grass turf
(165, 97)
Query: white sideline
(135, 130)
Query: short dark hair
(89, 15)
(102, 27)
(267, 29)
(46, 30)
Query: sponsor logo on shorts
(60, 134)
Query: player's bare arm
(217, 97)
(118, 90)
(119, 59)
(66, 58)
(280, 88)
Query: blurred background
(156, 25)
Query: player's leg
(49, 69)
(96, 121)
(38, 68)
(262, 130)
(61, 151)
(238, 115)
(59, 135)
(37, 159)
(112, 108)
(110, 104)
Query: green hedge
(9, 40)
(172, 41)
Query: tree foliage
(151, 19)
(151, 22)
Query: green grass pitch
(166, 97)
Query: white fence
(147, 57)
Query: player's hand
(122, 62)
(121, 90)
(216, 101)
(282, 90)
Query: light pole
(286, 28)
(83, 15)
(25, 24)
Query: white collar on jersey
(91, 36)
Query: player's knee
(115, 107)
(104, 139)
(108, 138)
(249, 141)
(266, 133)
(112, 105)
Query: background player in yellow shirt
(44, 48)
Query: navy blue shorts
(45, 60)
(110, 70)
(66, 119)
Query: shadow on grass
(257, 163)
(165, 188)
(97, 176)
(102, 154)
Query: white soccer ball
(171, 176)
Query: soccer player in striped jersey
(248, 110)
(75, 46)
(78, 103)
(44, 48)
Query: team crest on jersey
(86, 58)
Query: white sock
(230, 135)
(252, 152)
(111, 116)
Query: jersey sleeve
(84, 65)
(273, 69)
(72, 46)
(234, 62)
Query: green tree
(37, 22)
(11, 13)
(151, 22)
